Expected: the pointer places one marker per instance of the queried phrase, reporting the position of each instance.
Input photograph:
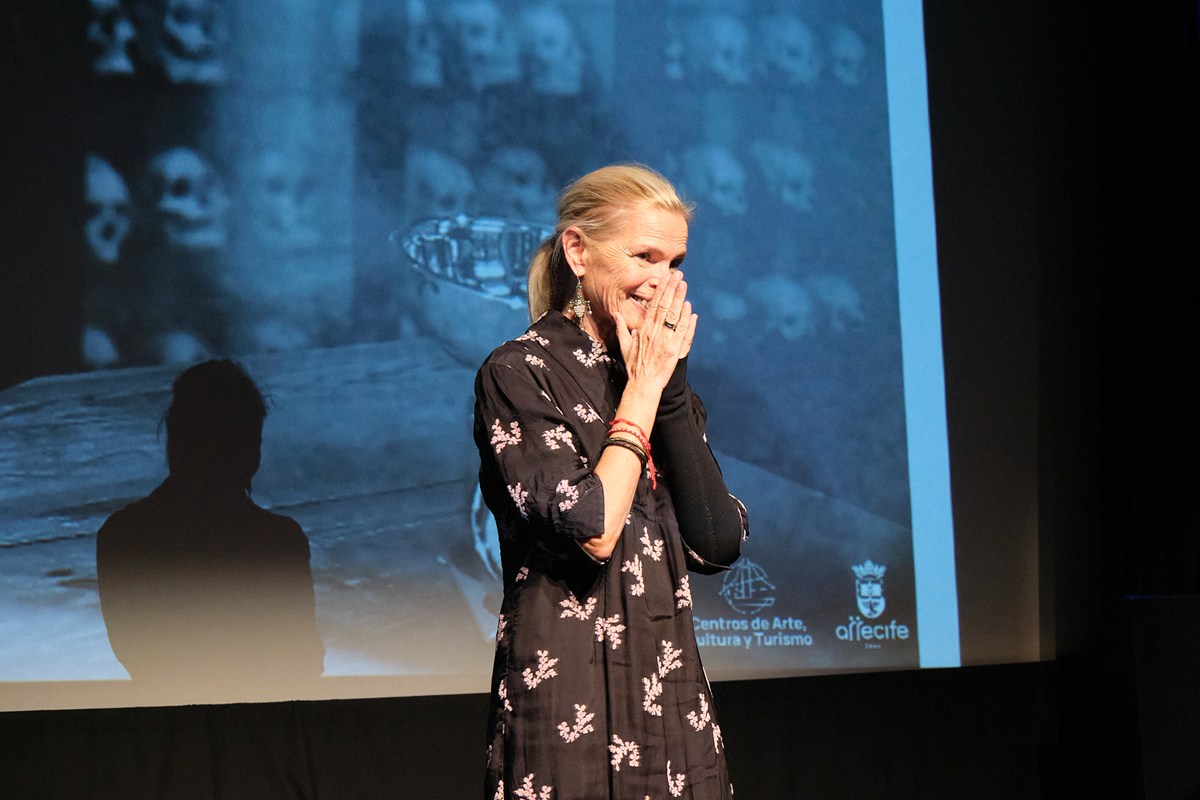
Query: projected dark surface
(343, 195)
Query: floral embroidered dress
(598, 690)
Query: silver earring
(579, 306)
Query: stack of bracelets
(640, 448)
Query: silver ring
(668, 324)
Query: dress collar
(599, 374)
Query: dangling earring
(579, 306)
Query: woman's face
(621, 272)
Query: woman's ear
(575, 250)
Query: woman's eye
(643, 256)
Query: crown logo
(869, 570)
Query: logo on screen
(746, 588)
(868, 588)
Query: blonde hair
(592, 204)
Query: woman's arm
(619, 470)
(651, 354)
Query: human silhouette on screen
(206, 596)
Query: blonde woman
(595, 466)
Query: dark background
(1065, 139)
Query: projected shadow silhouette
(206, 596)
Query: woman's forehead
(652, 226)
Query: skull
(435, 185)
(788, 173)
(848, 54)
(786, 304)
(108, 204)
(516, 185)
(484, 43)
(551, 52)
(98, 348)
(727, 307)
(713, 173)
(285, 200)
(189, 200)
(182, 347)
(110, 31)
(424, 48)
(790, 50)
(720, 42)
(187, 36)
(840, 299)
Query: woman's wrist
(641, 391)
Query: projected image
(343, 196)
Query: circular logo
(746, 588)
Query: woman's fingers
(676, 313)
(657, 345)
(664, 298)
(689, 333)
(624, 337)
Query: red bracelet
(636, 430)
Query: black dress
(598, 690)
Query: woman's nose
(661, 271)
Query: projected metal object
(474, 292)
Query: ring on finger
(668, 324)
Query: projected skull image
(787, 173)
(424, 48)
(184, 37)
(718, 48)
(848, 52)
(108, 209)
(714, 174)
(182, 347)
(550, 51)
(789, 51)
(515, 186)
(840, 299)
(110, 32)
(484, 42)
(284, 199)
(435, 185)
(189, 202)
(785, 306)
(98, 349)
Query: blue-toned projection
(343, 194)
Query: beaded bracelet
(618, 426)
(618, 429)
(637, 431)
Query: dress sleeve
(535, 442)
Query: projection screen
(342, 195)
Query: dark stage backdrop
(343, 194)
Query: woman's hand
(652, 351)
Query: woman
(605, 494)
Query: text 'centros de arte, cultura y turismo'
(754, 632)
